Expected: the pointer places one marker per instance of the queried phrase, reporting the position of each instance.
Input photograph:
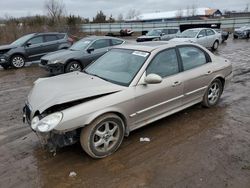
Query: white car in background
(206, 37)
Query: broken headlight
(47, 123)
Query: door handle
(176, 83)
(209, 72)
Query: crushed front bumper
(54, 69)
(53, 139)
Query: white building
(199, 13)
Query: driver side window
(102, 43)
(164, 64)
(202, 33)
(36, 40)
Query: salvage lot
(196, 147)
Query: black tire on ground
(212, 94)
(235, 36)
(215, 45)
(103, 136)
(5, 67)
(17, 61)
(73, 66)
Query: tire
(5, 67)
(103, 136)
(235, 37)
(212, 94)
(215, 45)
(17, 61)
(73, 66)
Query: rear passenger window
(202, 33)
(164, 64)
(116, 42)
(49, 38)
(192, 57)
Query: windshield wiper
(97, 76)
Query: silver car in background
(127, 88)
(206, 37)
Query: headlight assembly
(47, 123)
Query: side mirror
(162, 34)
(91, 49)
(28, 44)
(199, 36)
(153, 79)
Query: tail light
(70, 40)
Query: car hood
(62, 55)
(6, 47)
(183, 40)
(48, 92)
(148, 37)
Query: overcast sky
(89, 8)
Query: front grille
(44, 62)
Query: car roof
(48, 33)
(94, 37)
(151, 46)
(199, 28)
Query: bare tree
(120, 17)
(179, 13)
(193, 10)
(246, 9)
(188, 11)
(55, 10)
(132, 13)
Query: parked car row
(112, 87)
(206, 37)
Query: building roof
(174, 14)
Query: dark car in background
(79, 55)
(32, 47)
(242, 32)
(224, 34)
(156, 34)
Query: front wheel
(103, 137)
(212, 94)
(215, 45)
(73, 66)
(17, 61)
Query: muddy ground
(196, 147)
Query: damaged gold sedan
(127, 88)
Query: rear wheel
(103, 137)
(73, 66)
(17, 61)
(215, 45)
(213, 93)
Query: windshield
(81, 45)
(188, 34)
(22, 40)
(155, 32)
(118, 66)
